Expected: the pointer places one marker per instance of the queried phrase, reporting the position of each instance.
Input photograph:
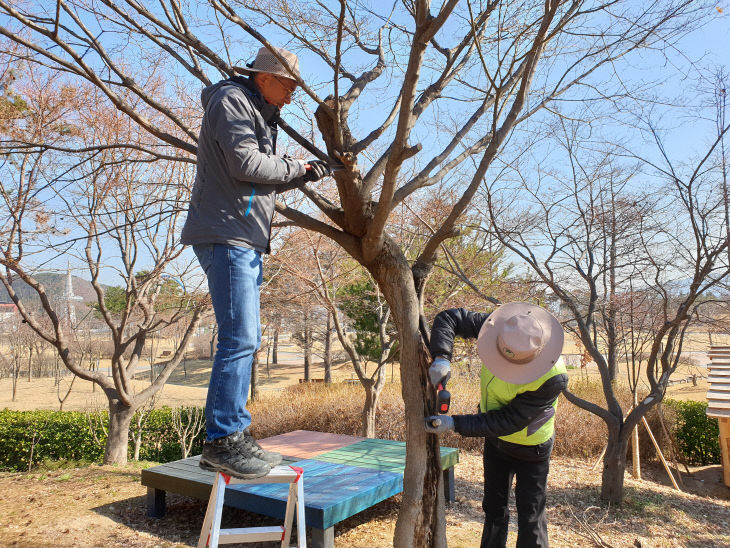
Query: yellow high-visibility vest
(497, 393)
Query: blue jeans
(234, 277)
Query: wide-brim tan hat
(520, 342)
(266, 62)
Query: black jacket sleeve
(450, 323)
(528, 410)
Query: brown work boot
(229, 455)
(253, 447)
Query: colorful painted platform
(343, 475)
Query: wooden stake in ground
(659, 452)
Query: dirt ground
(106, 507)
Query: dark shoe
(253, 447)
(228, 455)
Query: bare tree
(187, 422)
(629, 251)
(458, 79)
(86, 206)
(315, 268)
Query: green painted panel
(382, 455)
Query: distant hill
(55, 285)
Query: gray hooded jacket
(238, 172)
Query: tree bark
(213, 338)
(328, 349)
(635, 453)
(368, 411)
(307, 346)
(255, 376)
(421, 520)
(275, 346)
(30, 364)
(614, 466)
(373, 389)
(117, 441)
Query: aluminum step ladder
(212, 535)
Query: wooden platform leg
(301, 528)
(210, 532)
(291, 503)
(448, 479)
(323, 538)
(155, 502)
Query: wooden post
(725, 448)
(661, 455)
(599, 459)
(635, 456)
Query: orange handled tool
(443, 399)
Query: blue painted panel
(332, 492)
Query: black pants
(530, 465)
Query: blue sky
(689, 126)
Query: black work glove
(317, 169)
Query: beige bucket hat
(520, 342)
(266, 62)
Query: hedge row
(31, 437)
(28, 438)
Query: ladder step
(717, 412)
(211, 535)
(278, 474)
(251, 534)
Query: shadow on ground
(184, 518)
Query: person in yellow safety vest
(522, 376)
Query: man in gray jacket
(229, 227)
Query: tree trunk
(635, 454)
(16, 374)
(307, 347)
(373, 389)
(614, 466)
(137, 445)
(328, 350)
(30, 364)
(255, 376)
(117, 441)
(421, 520)
(275, 346)
(213, 338)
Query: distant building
(70, 299)
(8, 313)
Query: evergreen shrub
(28, 438)
(697, 434)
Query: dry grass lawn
(106, 507)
